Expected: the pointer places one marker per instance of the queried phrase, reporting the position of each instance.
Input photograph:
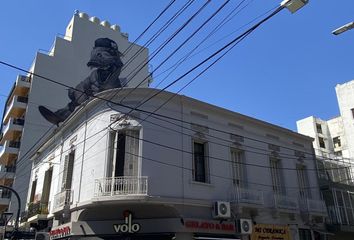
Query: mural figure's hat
(107, 43)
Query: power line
(189, 169)
(178, 48)
(148, 27)
(160, 31)
(211, 157)
(155, 94)
(181, 10)
(184, 58)
(134, 72)
(171, 118)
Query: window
(321, 142)
(345, 207)
(276, 175)
(305, 234)
(46, 186)
(303, 181)
(336, 142)
(200, 164)
(338, 153)
(237, 158)
(33, 190)
(318, 127)
(124, 153)
(68, 171)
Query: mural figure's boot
(55, 117)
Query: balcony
(9, 152)
(121, 187)
(286, 203)
(314, 207)
(21, 86)
(37, 211)
(12, 130)
(249, 196)
(62, 199)
(5, 197)
(7, 175)
(16, 108)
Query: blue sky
(284, 71)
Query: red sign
(60, 232)
(208, 225)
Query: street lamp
(293, 5)
(343, 28)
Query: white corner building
(190, 171)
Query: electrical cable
(154, 54)
(184, 58)
(59, 83)
(139, 110)
(148, 27)
(159, 32)
(184, 168)
(179, 47)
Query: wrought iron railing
(14, 144)
(250, 196)
(286, 202)
(18, 121)
(22, 99)
(63, 198)
(37, 208)
(128, 185)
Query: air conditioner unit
(245, 226)
(42, 236)
(222, 209)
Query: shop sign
(60, 232)
(270, 232)
(128, 226)
(209, 225)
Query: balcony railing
(18, 121)
(5, 194)
(37, 208)
(286, 202)
(310, 205)
(62, 199)
(23, 78)
(14, 144)
(22, 99)
(121, 186)
(249, 196)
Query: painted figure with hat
(107, 65)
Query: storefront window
(305, 234)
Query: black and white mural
(106, 63)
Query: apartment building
(193, 171)
(11, 132)
(68, 63)
(334, 147)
